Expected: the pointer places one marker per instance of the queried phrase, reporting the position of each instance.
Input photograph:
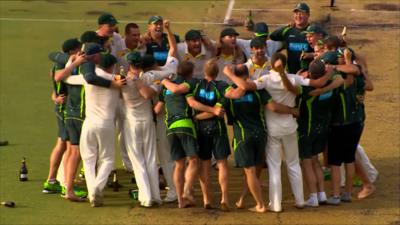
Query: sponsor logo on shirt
(298, 47)
(245, 98)
(168, 92)
(160, 56)
(325, 96)
(208, 95)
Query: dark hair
(278, 56)
(185, 68)
(129, 26)
(241, 70)
(332, 42)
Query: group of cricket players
(171, 103)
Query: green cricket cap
(134, 58)
(302, 7)
(330, 57)
(192, 35)
(155, 19)
(93, 48)
(107, 18)
(107, 60)
(261, 29)
(70, 45)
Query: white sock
(322, 196)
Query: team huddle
(172, 103)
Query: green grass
(27, 117)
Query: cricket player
(197, 49)
(258, 63)
(247, 108)
(180, 131)
(260, 31)
(293, 38)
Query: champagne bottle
(122, 72)
(8, 204)
(115, 184)
(249, 24)
(23, 172)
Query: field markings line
(229, 11)
(93, 21)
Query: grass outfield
(27, 120)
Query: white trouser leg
(135, 146)
(291, 150)
(120, 131)
(149, 152)
(274, 160)
(366, 163)
(164, 154)
(105, 162)
(89, 151)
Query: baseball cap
(316, 68)
(107, 18)
(192, 35)
(315, 28)
(330, 57)
(155, 18)
(107, 60)
(257, 43)
(228, 31)
(134, 58)
(302, 7)
(93, 48)
(148, 61)
(261, 29)
(70, 44)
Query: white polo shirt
(280, 124)
(198, 60)
(256, 71)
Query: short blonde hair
(211, 68)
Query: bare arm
(62, 74)
(216, 110)
(175, 88)
(158, 107)
(208, 44)
(282, 109)
(144, 90)
(171, 39)
(204, 116)
(278, 66)
(234, 93)
(337, 82)
(243, 84)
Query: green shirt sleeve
(279, 34)
(265, 97)
(192, 86)
(87, 69)
(58, 57)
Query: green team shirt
(248, 113)
(315, 111)
(359, 85)
(76, 100)
(176, 107)
(346, 109)
(211, 94)
(59, 88)
(295, 42)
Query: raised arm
(337, 82)
(171, 39)
(208, 44)
(243, 84)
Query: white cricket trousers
(120, 132)
(97, 146)
(274, 160)
(140, 141)
(164, 154)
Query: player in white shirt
(260, 31)
(197, 49)
(97, 143)
(282, 130)
(258, 64)
(228, 52)
(140, 131)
